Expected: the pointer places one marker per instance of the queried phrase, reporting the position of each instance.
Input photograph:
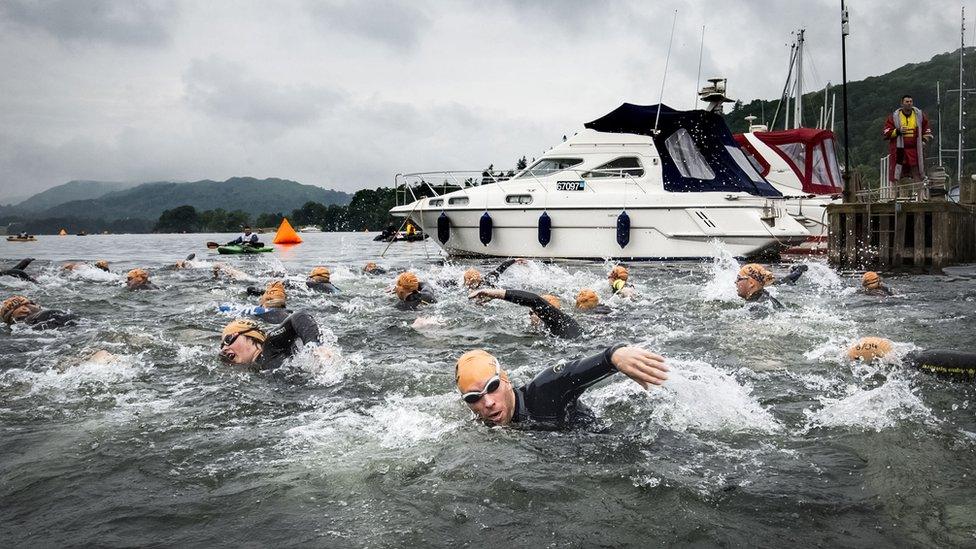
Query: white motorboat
(311, 229)
(617, 189)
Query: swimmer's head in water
(241, 341)
(69, 266)
(102, 264)
(136, 278)
(16, 308)
(870, 348)
(472, 278)
(274, 295)
(370, 267)
(871, 280)
(619, 272)
(586, 299)
(406, 284)
(485, 387)
(320, 274)
(752, 278)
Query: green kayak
(238, 249)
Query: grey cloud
(136, 22)
(225, 90)
(396, 25)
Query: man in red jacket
(906, 130)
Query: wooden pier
(902, 233)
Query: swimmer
(185, 263)
(373, 269)
(138, 279)
(219, 270)
(272, 304)
(25, 311)
(872, 284)
(544, 309)
(617, 278)
(101, 265)
(473, 279)
(551, 399)
(960, 365)
(18, 270)
(751, 285)
(412, 292)
(588, 302)
(319, 280)
(243, 342)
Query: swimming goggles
(491, 386)
(229, 339)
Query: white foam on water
(84, 271)
(63, 383)
(697, 396)
(871, 409)
(722, 271)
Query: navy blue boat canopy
(698, 152)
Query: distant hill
(148, 200)
(871, 100)
(72, 190)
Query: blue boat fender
(623, 229)
(545, 229)
(443, 228)
(484, 229)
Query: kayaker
(545, 309)
(247, 238)
(243, 342)
(20, 309)
(320, 280)
(18, 270)
(551, 399)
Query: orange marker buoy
(286, 234)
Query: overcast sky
(346, 94)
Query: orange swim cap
(586, 299)
(101, 264)
(246, 327)
(137, 274)
(69, 266)
(619, 272)
(869, 348)
(871, 280)
(274, 295)
(10, 305)
(370, 267)
(758, 273)
(553, 300)
(474, 368)
(472, 278)
(321, 274)
(406, 284)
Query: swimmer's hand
(644, 367)
(487, 294)
(324, 353)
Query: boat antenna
(665, 78)
(701, 48)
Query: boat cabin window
(436, 202)
(627, 166)
(797, 153)
(828, 145)
(744, 164)
(820, 175)
(458, 201)
(549, 166)
(687, 158)
(519, 199)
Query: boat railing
(410, 184)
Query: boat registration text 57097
(570, 185)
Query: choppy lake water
(765, 436)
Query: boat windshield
(549, 166)
(627, 166)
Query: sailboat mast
(798, 101)
(962, 53)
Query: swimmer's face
(497, 406)
(242, 350)
(746, 286)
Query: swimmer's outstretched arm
(23, 264)
(558, 322)
(493, 276)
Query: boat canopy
(698, 152)
(809, 152)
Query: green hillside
(72, 190)
(871, 100)
(149, 200)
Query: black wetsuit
(284, 340)
(761, 298)
(880, 291)
(558, 323)
(795, 273)
(424, 294)
(273, 315)
(491, 278)
(600, 309)
(146, 286)
(959, 365)
(321, 287)
(46, 319)
(551, 398)
(18, 270)
(375, 271)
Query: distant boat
(310, 229)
